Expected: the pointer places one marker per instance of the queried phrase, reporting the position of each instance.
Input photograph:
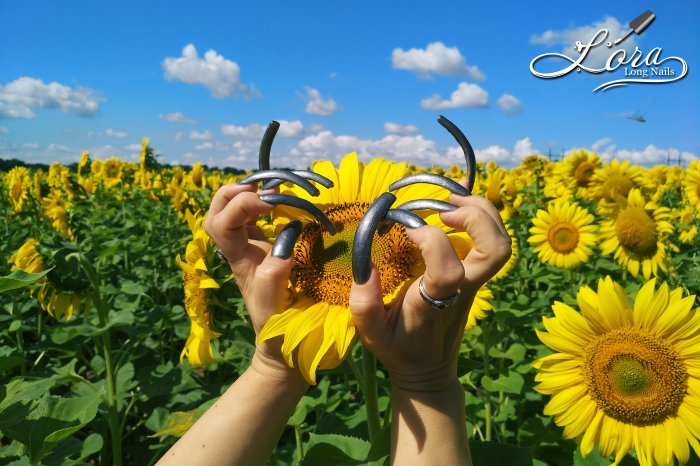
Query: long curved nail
(362, 243)
(284, 175)
(287, 238)
(302, 204)
(427, 204)
(405, 218)
(307, 174)
(466, 148)
(431, 178)
(266, 145)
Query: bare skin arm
(245, 424)
(419, 345)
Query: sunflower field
(120, 325)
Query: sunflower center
(634, 377)
(616, 184)
(636, 231)
(583, 173)
(323, 263)
(563, 237)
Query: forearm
(429, 428)
(244, 425)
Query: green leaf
(19, 279)
(498, 454)
(591, 459)
(52, 420)
(511, 383)
(353, 447)
(9, 362)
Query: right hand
(418, 344)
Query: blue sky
(203, 79)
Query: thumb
(367, 307)
(270, 293)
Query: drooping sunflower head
(18, 184)
(563, 235)
(65, 291)
(197, 178)
(636, 234)
(625, 376)
(198, 282)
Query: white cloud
(179, 135)
(218, 74)
(176, 117)
(30, 145)
(523, 148)
(203, 136)
(436, 58)
(597, 56)
(316, 105)
(115, 134)
(133, 147)
(402, 130)
(509, 104)
(19, 98)
(57, 148)
(288, 129)
(204, 146)
(4, 130)
(466, 95)
(600, 143)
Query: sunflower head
(625, 376)
(318, 326)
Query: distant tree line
(8, 164)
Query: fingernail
(284, 244)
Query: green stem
(487, 395)
(300, 445)
(112, 411)
(369, 368)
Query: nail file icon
(638, 24)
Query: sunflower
(576, 170)
(563, 235)
(61, 294)
(197, 179)
(110, 171)
(18, 183)
(611, 180)
(691, 186)
(636, 235)
(197, 283)
(55, 207)
(505, 270)
(479, 307)
(625, 377)
(319, 322)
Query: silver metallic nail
(300, 204)
(362, 243)
(285, 175)
(430, 178)
(463, 142)
(287, 238)
(266, 145)
(427, 204)
(307, 174)
(405, 218)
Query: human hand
(417, 343)
(261, 277)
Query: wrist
(277, 373)
(437, 379)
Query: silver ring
(437, 303)
(220, 255)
